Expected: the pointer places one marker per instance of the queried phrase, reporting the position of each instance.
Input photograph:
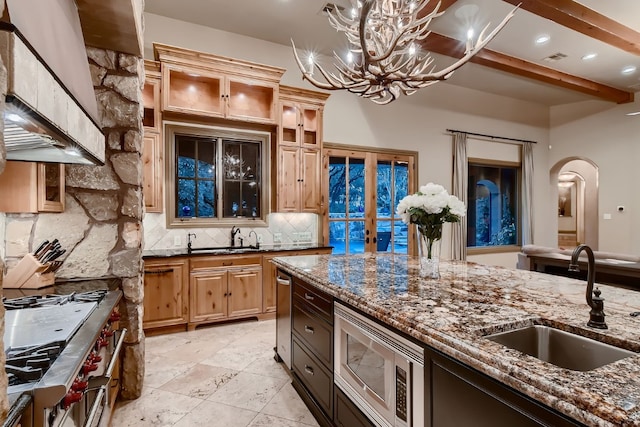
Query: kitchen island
(453, 315)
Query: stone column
(118, 79)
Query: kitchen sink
(560, 348)
(225, 249)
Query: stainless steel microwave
(379, 370)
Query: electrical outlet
(304, 236)
(177, 241)
(277, 237)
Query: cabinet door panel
(251, 100)
(310, 190)
(152, 167)
(165, 293)
(192, 91)
(288, 184)
(245, 292)
(208, 296)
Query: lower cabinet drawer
(316, 333)
(314, 376)
(347, 414)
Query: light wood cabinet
(153, 171)
(152, 119)
(166, 292)
(198, 83)
(300, 150)
(225, 287)
(153, 144)
(32, 187)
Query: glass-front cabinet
(197, 83)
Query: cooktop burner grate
(30, 364)
(33, 301)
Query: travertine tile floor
(221, 375)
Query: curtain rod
(491, 136)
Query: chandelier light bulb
(354, 13)
(310, 61)
(470, 34)
(350, 57)
(412, 49)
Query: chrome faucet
(257, 245)
(234, 230)
(596, 315)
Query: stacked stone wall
(101, 227)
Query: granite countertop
(453, 313)
(174, 252)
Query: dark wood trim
(577, 17)
(444, 45)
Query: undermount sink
(226, 249)
(560, 348)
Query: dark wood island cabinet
(468, 380)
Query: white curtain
(527, 193)
(460, 184)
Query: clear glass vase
(429, 253)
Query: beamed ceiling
(510, 65)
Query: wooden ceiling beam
(114, 25)
(574, 15)
(444, 45)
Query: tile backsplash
(283, 228)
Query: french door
(362, 190)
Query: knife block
(28, 274)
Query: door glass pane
(384, 196)
(356, 237)
(400, 234)
(356, 188)
(366, 364)
(400, 183)
(206, 159)
(384, 236)
(337, 187)
(338, 236)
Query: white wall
(601, 132)
(418, 122)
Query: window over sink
(216, 176)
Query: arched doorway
(574, 183)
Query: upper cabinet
(151, 96)
(300, 150)
(152, 150)
(197, 83)
(32, 187)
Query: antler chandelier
(384, 57)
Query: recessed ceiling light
(630, 69)
(589, 56)
(635, 113)
(543, 39)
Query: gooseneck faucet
(257, 245)
(596, 315)
(234, 230)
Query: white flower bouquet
(429, 208)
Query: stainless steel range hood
(51, 110)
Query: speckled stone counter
(164, 253)
(471, 300)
